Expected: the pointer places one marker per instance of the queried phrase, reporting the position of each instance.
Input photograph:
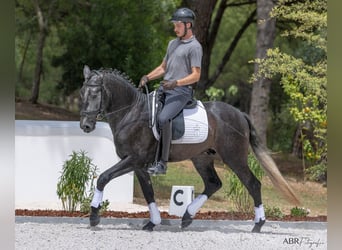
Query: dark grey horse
(230, 135)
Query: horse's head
(91, 99)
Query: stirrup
(156, 168)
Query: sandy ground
(74, 233)
(113, 206)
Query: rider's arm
(192, 78)
(157, 72)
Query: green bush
(237, 192)
(77, 174)
(299, 212)
(273, 212)
(85, 204)
(281, 130)
(317, 173)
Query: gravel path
(74, 233)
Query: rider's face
(179, 28)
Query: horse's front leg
(122, 167)
(147, 189)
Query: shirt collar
(188, 40)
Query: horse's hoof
(94, 217)
(149, 226)
(257, 226)
(186, 220)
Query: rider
(181, 67)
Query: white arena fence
(42, 147)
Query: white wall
(41, 148)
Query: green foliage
(317, 172)
(308, 20)
(114, 34)
(214, 94)
(281, 130)
(26, 43)
(303, 78)
(77, 174)
(299, 212)
(237, 192)
(237, 70)
(86, 203)
(128, 35)
(273, 212)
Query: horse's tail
(269, 165)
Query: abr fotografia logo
(301, 241)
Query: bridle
(99, 113)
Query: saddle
(189, 126)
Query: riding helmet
(183, 15)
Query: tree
(304, 78)
(34, 18)
(209, 18)
(127, 35)
(43, 24)
(261, 87)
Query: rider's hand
(143, 81)
(168, 85)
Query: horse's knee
(102, 181)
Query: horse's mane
(117, 74)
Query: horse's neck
(122, 99)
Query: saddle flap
(178, 126)
(189, 126)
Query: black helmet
(183, 15)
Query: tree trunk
(21, 67)
(204, 33)
(266, 30)
(230, 50)
(38, 69)
(40, 47)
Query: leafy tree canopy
(303, 74)
(105, 34)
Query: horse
(230, 135)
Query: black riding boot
(159, 167)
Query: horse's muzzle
(87, 125)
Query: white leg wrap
(154, 213)
(259, 213)
(97, 198)
(196, 204)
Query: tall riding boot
(160, 166)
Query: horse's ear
(86, 71)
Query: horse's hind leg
(253, 186)
(240, 167)
(205, 167)
(147, 189)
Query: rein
(150, 125)
(100, 114)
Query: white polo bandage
(154, 213)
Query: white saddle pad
(196, 125)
